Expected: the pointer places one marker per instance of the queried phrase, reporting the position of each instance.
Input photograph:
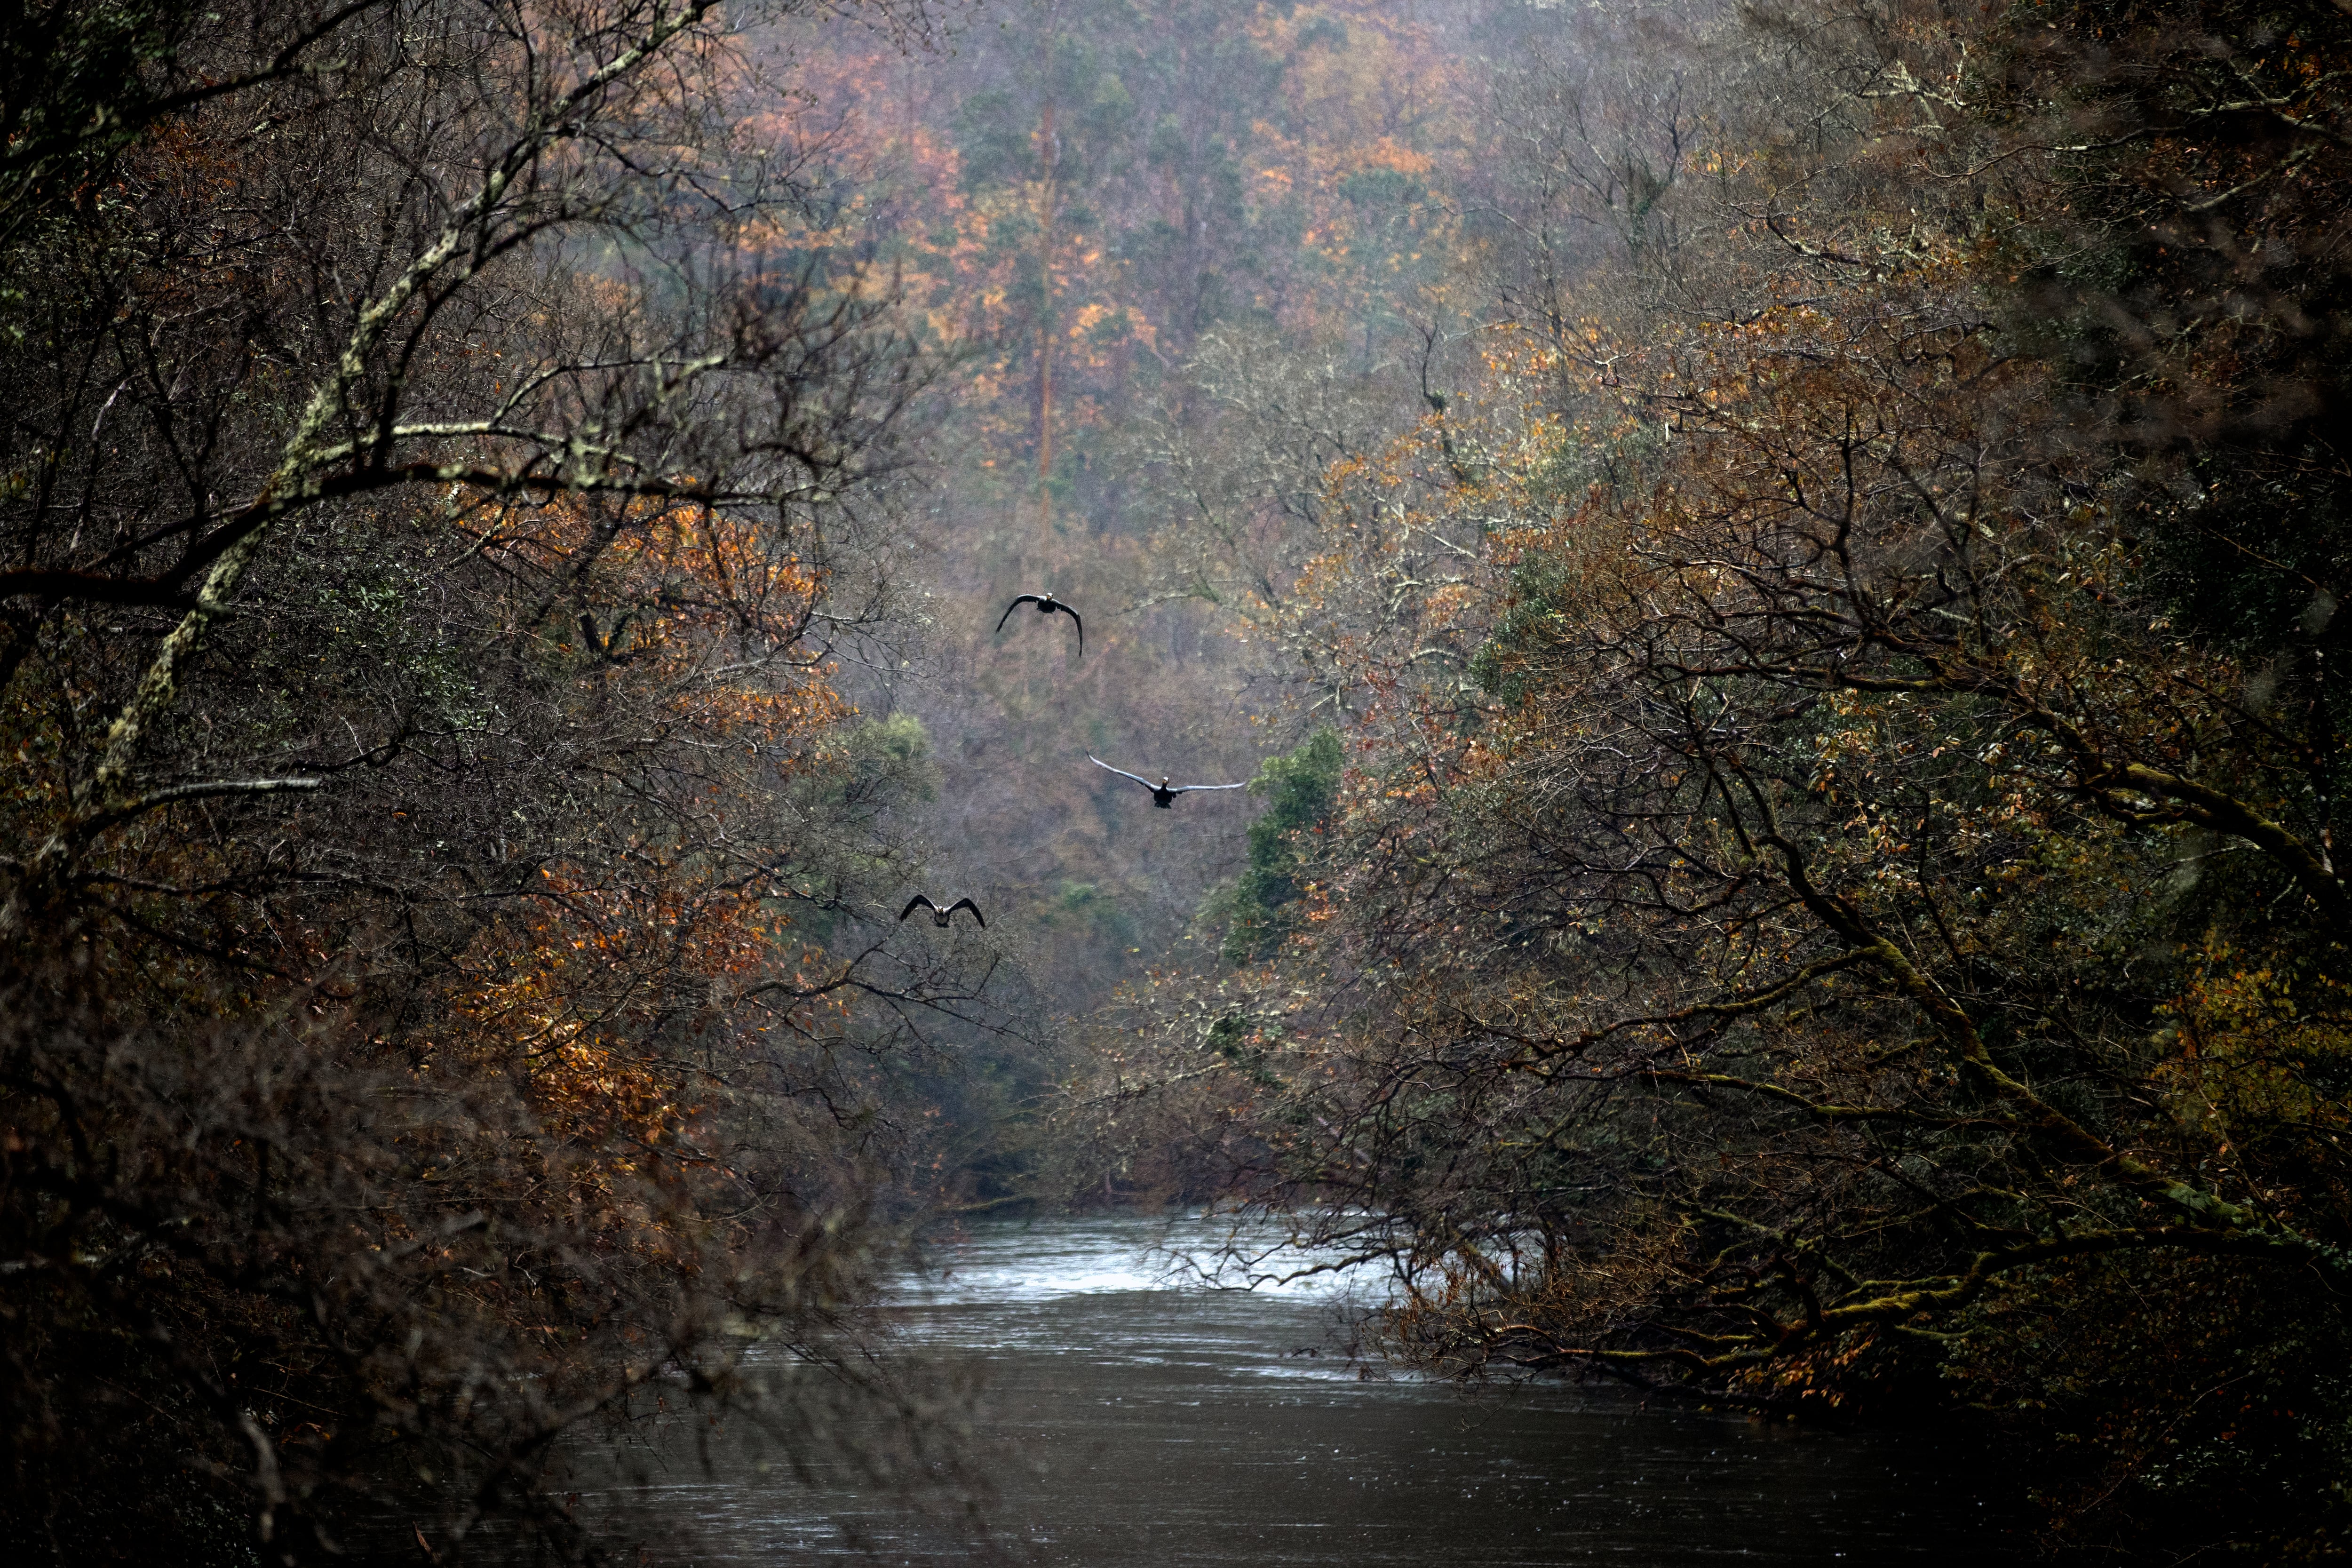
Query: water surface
(1130, 1413)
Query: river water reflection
(1130, 1414)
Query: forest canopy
(1775, 568)
(1831, 906)
(449, 1001)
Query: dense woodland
(1772, 570)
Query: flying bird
(940, 916)
(1163, 794)
(1047, 604)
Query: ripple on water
(1133, 1414)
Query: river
(1128, 1414)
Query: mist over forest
(1769, 571)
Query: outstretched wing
(919, 903)
(1016, 603)
(1120, 771)
(1187, 789)
(968, 904)
(1082, 626)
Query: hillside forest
(1769, 570)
